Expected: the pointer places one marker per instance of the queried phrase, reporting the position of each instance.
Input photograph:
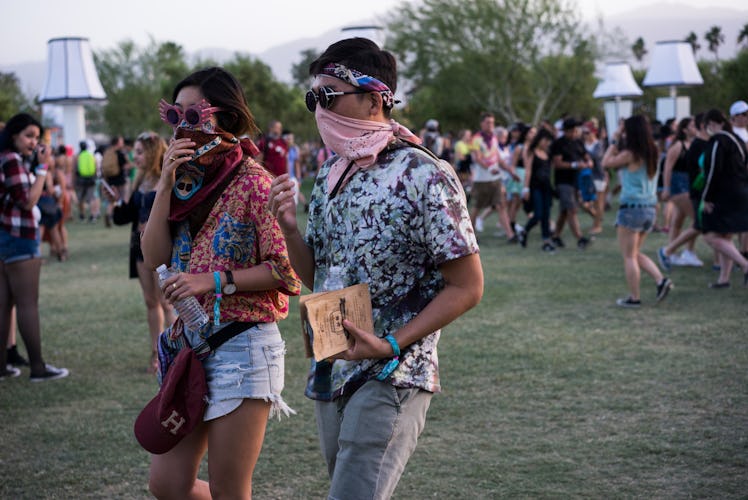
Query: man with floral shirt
(389, 214)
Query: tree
(639, 49)
(12, 99)
(300, 70)
(743, 35)
(135, 79)
(715, 38)
(270, 99)
(693, 39)
(523, 59)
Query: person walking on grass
(537, 188)
(666, 253)
(386, 213)
(568, 155)
(211, 221)
(488, 165)
(724, 202)
(675, 188)
(637, 159)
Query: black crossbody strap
(335, 189)
(226, 333)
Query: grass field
(550, 390)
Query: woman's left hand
(185, 285)
(44, 155)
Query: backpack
(86, 164)
(110, 163)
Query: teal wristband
(219, 296)
(393, 343)
(394, 362)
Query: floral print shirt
(390, 226)
(239, 233)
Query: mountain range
(656, 22)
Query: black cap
(570, 123)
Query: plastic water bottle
(189, 309)
(334, 280)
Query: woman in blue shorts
(20, 257)
(676, 187)
(637, 160)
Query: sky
(245, 25)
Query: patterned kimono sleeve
(447, 231)
(272, 245)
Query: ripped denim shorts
(248, 366)
(636, 218)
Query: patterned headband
(362, 81)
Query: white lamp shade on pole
(71, 82)
(618, 81)
(71, 74)
(672, 65)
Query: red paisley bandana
(220, 154)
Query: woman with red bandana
(210, 221)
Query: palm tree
(743, 35)
(693, 39)
(715, 38)
(638, 49)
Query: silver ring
(174, 286)
(172, 158)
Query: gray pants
(368, 437)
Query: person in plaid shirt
(20, 257)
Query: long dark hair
(680, 132)
(15, 126)
(716, 116)
(543, 133)
(221, 89)
(639, 141)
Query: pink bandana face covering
(359, 141)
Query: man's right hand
(281, 203)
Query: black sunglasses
(325, 96)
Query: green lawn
(550, 390)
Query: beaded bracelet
(391, 364)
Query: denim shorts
(679, 183)
(639, 219)
(15, 249)
(248, 366)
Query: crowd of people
(221, 211)
(524, 168)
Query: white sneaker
(50, 373)
(10, 372)
(688, 258)
(677, 260)
(478, 225)
(518, 228)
